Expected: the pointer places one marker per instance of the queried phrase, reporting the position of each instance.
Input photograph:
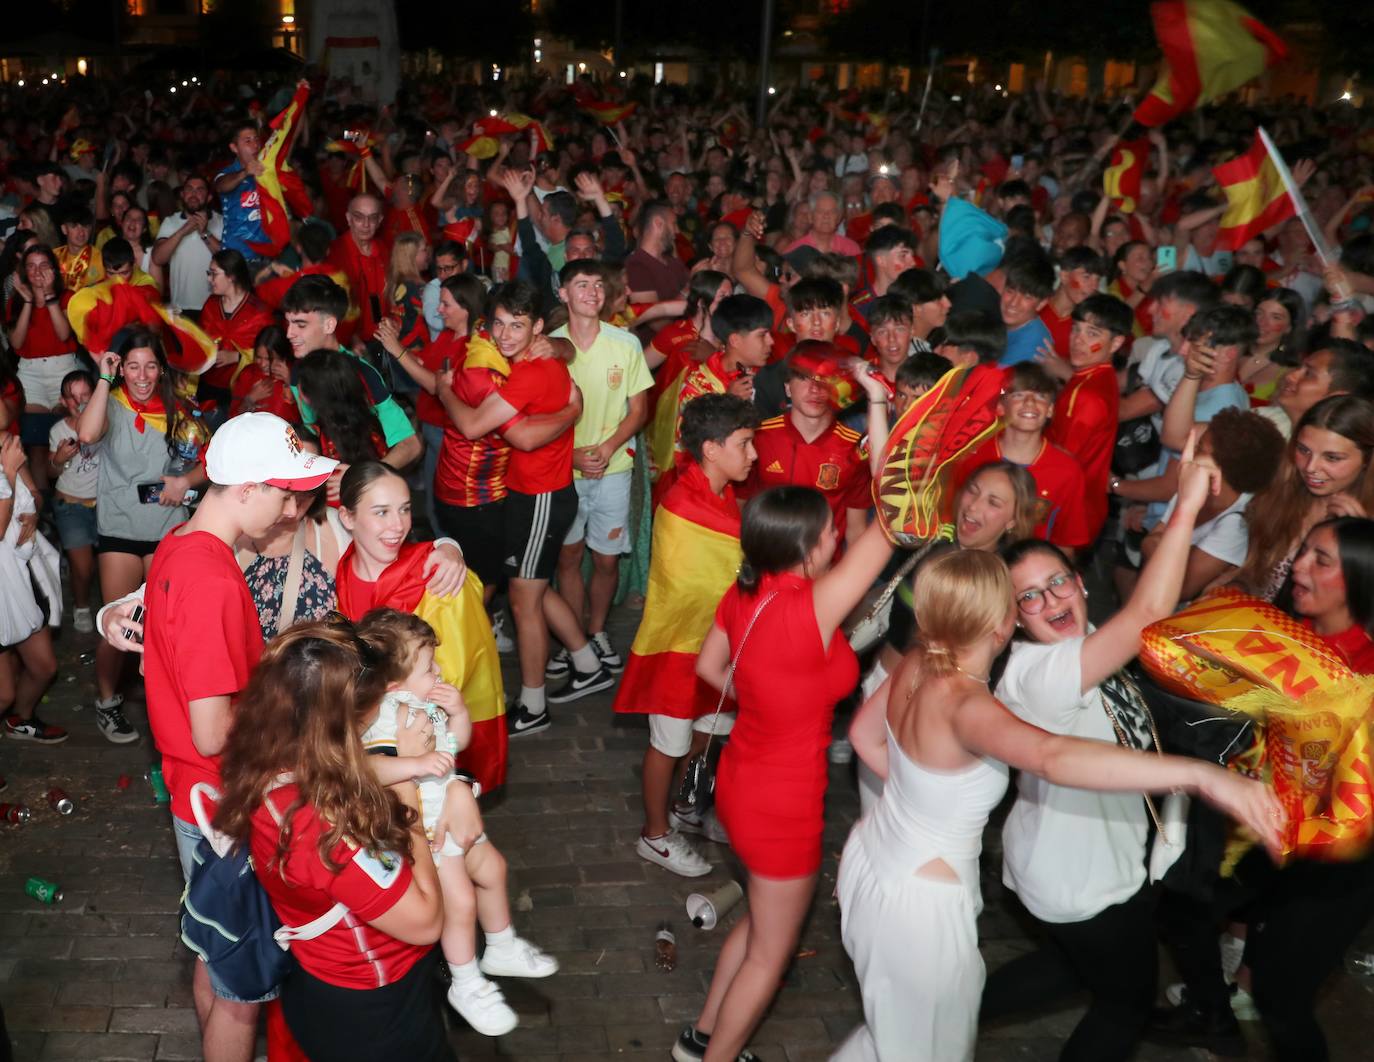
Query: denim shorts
(76, 524)
(188, 835)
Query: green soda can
(160, 794)
(43, 891)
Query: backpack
(227, 918)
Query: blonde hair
(959, 597)
(402, 267)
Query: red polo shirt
(833, 464)
(1084, 424)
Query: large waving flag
(1245, 656)
(279, 187)
(1256, 198)
(1121, 180)
(911, 490)
(98, 312)
(607, 112)
(467, 648)
(694, 559)
(1211, 47)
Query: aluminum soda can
(43, 891)
(15, 813)
(59, 801)
(160, 794)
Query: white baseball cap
(263, 448)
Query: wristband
(108, 379)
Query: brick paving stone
(102, 976)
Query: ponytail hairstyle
(959, 598)
(778, 531)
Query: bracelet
(107, 379)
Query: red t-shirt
(42, 341)
(1059, 482)
(366, 279)
(351, 954)
(472, 471)
(201, 638)
(451, 346)
(1084, 424)
(541, 385)
(1354, 645)
(832, 464)
(1059, 328)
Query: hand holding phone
(1166, 258)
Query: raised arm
(836, 592)
(745, 261)
(94, 419)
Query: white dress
(35, 563)
(914, 939)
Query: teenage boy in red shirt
(807, 447)
(202, 640)
(540, 506)
(1081, 271)
(1025, 408)
(1085, 414)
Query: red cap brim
(304, 483)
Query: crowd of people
(504, 376)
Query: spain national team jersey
(472, 472)
(1058, 481)
(1084, 424)
(833, 464)
(1059, 327)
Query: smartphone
(1166, 258)
(1018, 162)
(137, 617)
(375, 304)
(447, 365)
(151, 494)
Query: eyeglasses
(1061, 586)
(366, 219)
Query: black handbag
(699, 779)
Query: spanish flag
(911, 490)
(97, 313)
(695, 557)
(278, 185)
(467, 648)
(607, 112)
(522, 122)
(1211, 47)
(1121, 180)
(1256, 198)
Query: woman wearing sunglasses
(1077, 859)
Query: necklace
(969, 674)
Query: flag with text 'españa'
(1313, 712)
(694, 559)
(912, 487)
(279, 187)
(1256, 198)
(1121, 180)
(1211, 47)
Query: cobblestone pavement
(103, 976)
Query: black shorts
(480, 531)
(133, 546)
(399, 1021)
(535, 527)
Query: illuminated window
(136, 8)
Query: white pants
(914, 942)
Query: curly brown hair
(1246, 447)
(396, 638)
(302, 713)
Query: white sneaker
(518, 958)
(712, 829)
(82, 622)
(482, 1006)
(1232, 954)
(685, 820)
(672, 852)
(505, 644)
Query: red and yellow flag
(1211, 47)
(911, 490)
(278, 185)
(1121, 180)
(1256, 198)
(1313, 713)
(694, 559)
(607, 112)
(97, 313)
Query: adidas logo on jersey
(774, 467)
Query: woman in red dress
(780, 624)
(232, 316)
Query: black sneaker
(691, 1047)
(521, 721)
(582, 685)
(560, 664)
(605, 653)
(113, 725)
(1188, 1025)
(33, 729)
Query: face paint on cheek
(1095, 348)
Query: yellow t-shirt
(609, 372)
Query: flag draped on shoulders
(466, 654)
(1256, 198)
(280, 187)
(694, 559)
(1211, 47)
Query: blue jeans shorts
(76, 524)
